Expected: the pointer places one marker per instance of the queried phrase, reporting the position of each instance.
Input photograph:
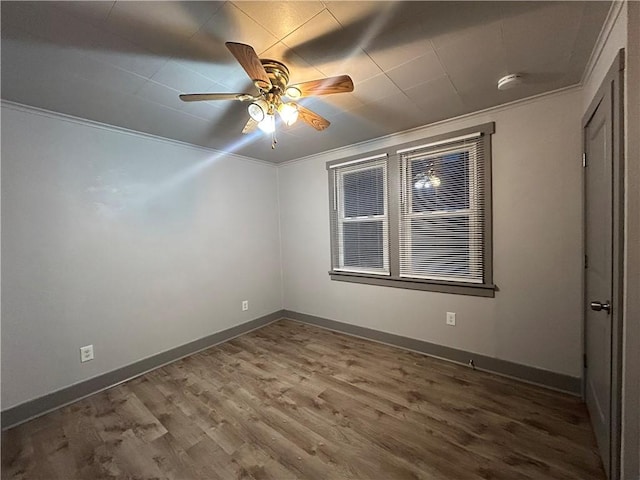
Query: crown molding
(20, 107)
(612, 17)
(391, 139)
(339, 152)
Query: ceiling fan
(271, 78)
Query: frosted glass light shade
(288, 113)
(293, 92)
(258, 110)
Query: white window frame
(342, 219)
(475, 230)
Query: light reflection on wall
(146, 192)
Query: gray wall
(133, 244)
(535, 318)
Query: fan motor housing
(278, 74)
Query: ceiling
(124, 63)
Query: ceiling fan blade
(248, 59)
(200, 97)
(312, 118)
(324, 86)
(250, 126)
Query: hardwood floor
(295, 401)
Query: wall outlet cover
(245, 305)
(451, 318)
(86, 353)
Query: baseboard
(34, 408)
(537, 376)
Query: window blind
(442, 210)
(359, 216)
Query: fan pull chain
(274, 140)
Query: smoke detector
(509, 81)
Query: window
(360, 208)
(417, 217)
(441, 212)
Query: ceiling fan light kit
(271, 78)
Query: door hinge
(586, 262)
(584, 160)
(584, 360)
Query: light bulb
(258, 110)
(435, 181)
(268, 125)
(288, 112)
(418, 184)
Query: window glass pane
(363, 192)
(440, 183)
(363, 244)
(440, 246)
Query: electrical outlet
(451, 318)
(245, 305)
(86, 353)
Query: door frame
(612, 84)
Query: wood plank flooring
(292, 401)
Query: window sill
(457, 288)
